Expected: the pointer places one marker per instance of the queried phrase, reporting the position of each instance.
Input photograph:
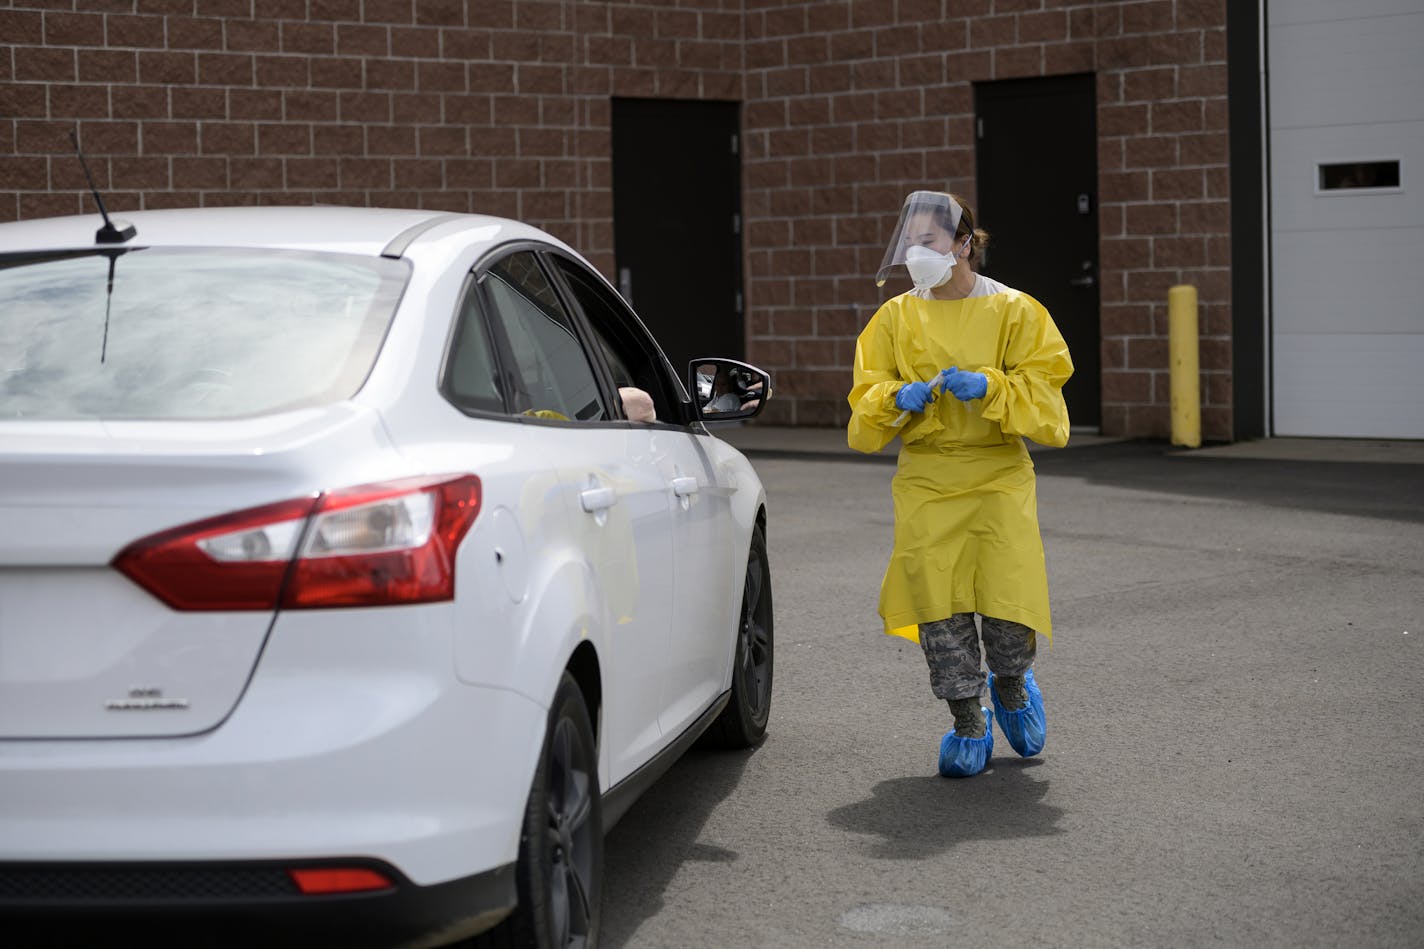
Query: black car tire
(560, 872)
(742, 723)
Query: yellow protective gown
(966, 510)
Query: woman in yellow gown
(962, 369)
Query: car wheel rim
(568, 841)
(755, 636)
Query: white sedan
(359, 568)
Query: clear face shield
(923, 240)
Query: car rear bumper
(239, 904)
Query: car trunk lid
(85, 652)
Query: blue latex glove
(913, 396)
(964, 385)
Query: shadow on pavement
(1362, 489)
(912, 818)
(659, 834)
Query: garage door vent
(1358, 175)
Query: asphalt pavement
(1235, 697)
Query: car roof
(370, 231)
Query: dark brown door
(677, 223)
(1038, 199)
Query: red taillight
(383, 544)
(377, 544)
(338, 880)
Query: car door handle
(682, 487)
(597, 499)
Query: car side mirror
(725, 389)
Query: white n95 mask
(928, 268)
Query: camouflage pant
(952, 650)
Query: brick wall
(503, 106)
(852, 105)
(498, 106)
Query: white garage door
(1347, 216)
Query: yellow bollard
(1182, 356)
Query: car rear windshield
(164, 333)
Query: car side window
(471, 372)
(551, 374)
(632, 356)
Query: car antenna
(108, 234)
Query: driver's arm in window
(637, 404)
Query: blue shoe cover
(1026, 728)
(966, 757)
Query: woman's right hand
(914, 396)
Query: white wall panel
(1347, 71)
(1364, 281)
(1346, 84)
(1349, 386)
(1287, 12)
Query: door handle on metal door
(684, 486)
(597, 499)
(1087, 279)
